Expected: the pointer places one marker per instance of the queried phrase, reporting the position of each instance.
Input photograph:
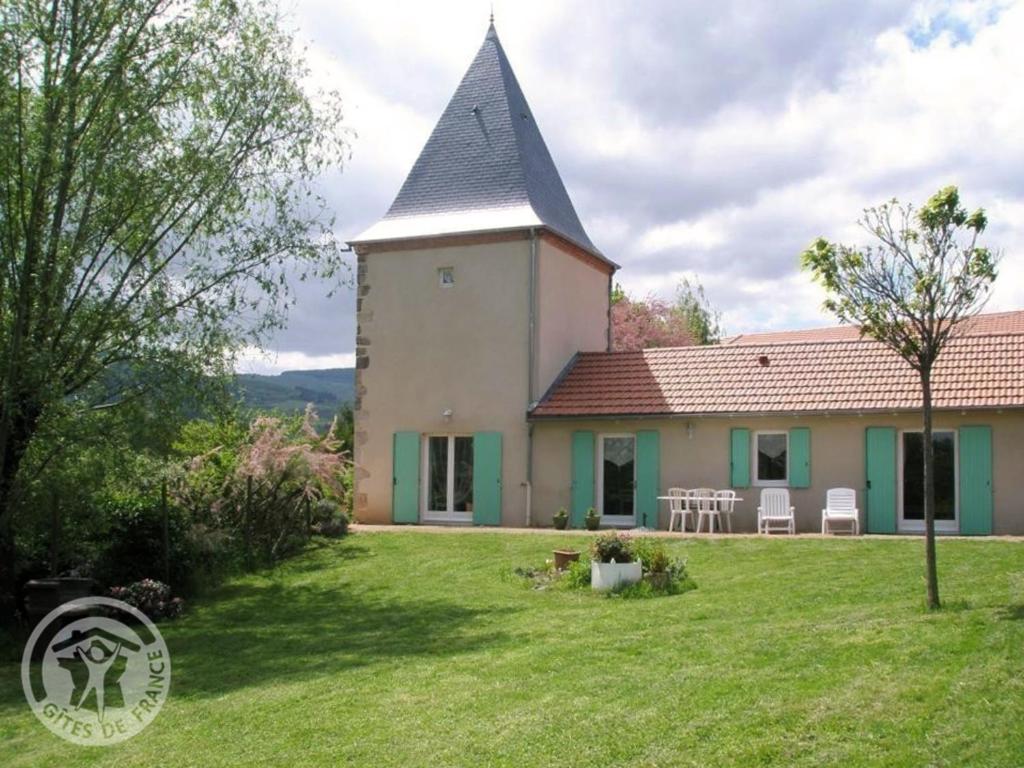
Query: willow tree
(923, 275)
(157, 163)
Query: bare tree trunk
(931, 572)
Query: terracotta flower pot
(565, 556)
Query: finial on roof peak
(492, 13)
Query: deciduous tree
(157, 161)
(910, 289)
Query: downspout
(531, 354)
(611, 289)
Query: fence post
(246, 518)
(166, 532)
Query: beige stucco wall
(572, 311)
(837, 459)
(430, 348)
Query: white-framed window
(910, 478)
(446, 277)
(616, 479)
(771, 458)
(447, 478)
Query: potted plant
(613, 563)
(565, 556)
(561, 519)
(592, 520)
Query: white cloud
(268, 362)
(707, 140)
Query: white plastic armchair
(707, 508)
(775, 512)
(840, 507)
(679, 506)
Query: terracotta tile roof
(992, 323)
(983, 368)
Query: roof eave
(361, 240)
(535, 417)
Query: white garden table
(698, 499)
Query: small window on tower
(446, 276)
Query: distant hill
(289, 391)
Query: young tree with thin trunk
(157, 169)
(925, 274)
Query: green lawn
(417, 649)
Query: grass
(411, 649)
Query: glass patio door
(617, 463)
(912, 483)
(448, 479)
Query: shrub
(151, 597)
(132, 546)
(612, 546)
(333, 529)
(577, 573)
(652, 555)
(561, 519)
(593, 520)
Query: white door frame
(619, 521)
(917, 526)
(446, 515)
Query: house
(486, 392)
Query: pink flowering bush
(151, 597)
(262, 486)
(646, 323)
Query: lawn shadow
(251, 632)
(1012, 612)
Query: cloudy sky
(696, 139)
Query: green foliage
(702, 319)
(592, 520)
(924, 275)
(577, 573)
(612, 546)
(159, 163)
(561, 519)
(619, 294)
(132, 547)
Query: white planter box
(608, 576)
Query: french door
(616, 461)
(911, 479)
(448, 478)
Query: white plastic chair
(707, 508)
(775, 512)
(679, 506)
(840, 507)
(726, 502)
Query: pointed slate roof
(485, 167)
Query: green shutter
(405, 491)
(739, 457)
(487, 478)
(582, 476)
(800, 457)
(648, 474)
(880, 463)
(976, 480)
